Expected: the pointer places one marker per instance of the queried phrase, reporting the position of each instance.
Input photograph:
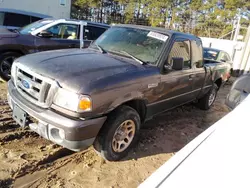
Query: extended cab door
(64, 36)
(201, 77)
(175, 87)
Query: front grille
(34, 87)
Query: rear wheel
(6, 60)
(119, 134)
(207, 101)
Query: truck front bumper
(74, 134)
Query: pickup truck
(212, 55)
(102, 95)
(46, 34)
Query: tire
(106, 143)
(6, 60)
(206, 102)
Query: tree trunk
(101, 10)
(138, 11)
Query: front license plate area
(19, 116)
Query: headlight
(72, 101)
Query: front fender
(126, 98)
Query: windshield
(211, 54)
(33, 26)
(141, 44)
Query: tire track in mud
(9, 127)
(45, 168)
(3, 103)
(52, 162)
(18, 136)
(6, 183)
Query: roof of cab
(24, 13)
(89, 22)
(212, 49)
(156, 29)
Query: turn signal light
(85, 104)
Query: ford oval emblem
(25, 84)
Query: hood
(74, 69)
(5, 33)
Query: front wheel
(6, 60)
(119, 134)
(207, 101)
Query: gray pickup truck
(102, 95)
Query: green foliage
(212, 18)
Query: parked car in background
(102, 95)
(43, 35)
(239, 91)
(219, 56)
(218, 157)
(14, 19)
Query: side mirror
(45, 34)
(178, 63)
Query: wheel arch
(134, 100)
(218, 82)
(138, 104)
(13, 50)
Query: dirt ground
(27, 160)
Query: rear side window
(181, 49)
(197, 53)
(92, 32)
(16, 20)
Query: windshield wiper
(133, 57)
(101, 49)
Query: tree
(212, 18)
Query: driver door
(64, 36)
(177, 84)
(175, 87)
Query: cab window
(181, 49)
(64, 31)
